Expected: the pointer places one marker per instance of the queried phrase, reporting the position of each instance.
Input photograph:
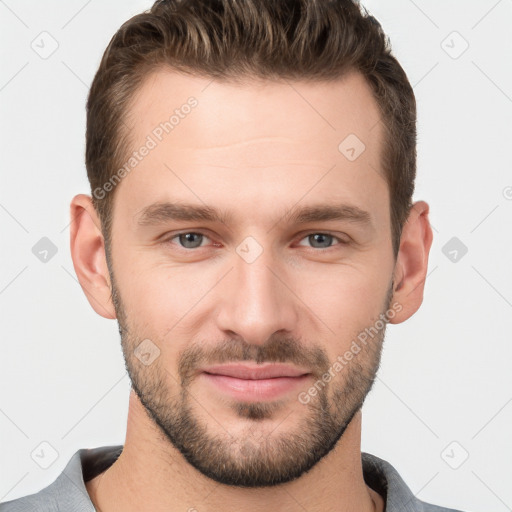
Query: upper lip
(255, 372)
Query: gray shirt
(68, 493)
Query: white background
(445, 373)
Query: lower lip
(255, 389)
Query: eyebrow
(161, 212)
(318, 213)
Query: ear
(412, 262)
(88, 254)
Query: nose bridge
(257, 303)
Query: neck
(150, 474)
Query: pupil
(189, 238)
(321, 238)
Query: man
(251, 228)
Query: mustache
(277, 349)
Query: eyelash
(341, 242)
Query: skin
(256, 150)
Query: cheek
(159, 298)
(346, 299)
(163, 300)
(156, 306)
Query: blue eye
(320, 238)
(325, 240)
(190, 240)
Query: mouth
(252, 382)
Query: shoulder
(428, 507)
(42, 501)
(422, 506)
(68, 492)
(381, 476)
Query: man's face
(265, 288)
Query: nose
(256, 300)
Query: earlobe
(412, 262)
(88, 254)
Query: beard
(255, 456)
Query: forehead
(255, 138)
(229, 112)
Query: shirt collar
(85, 464)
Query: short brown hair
(268, 39)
